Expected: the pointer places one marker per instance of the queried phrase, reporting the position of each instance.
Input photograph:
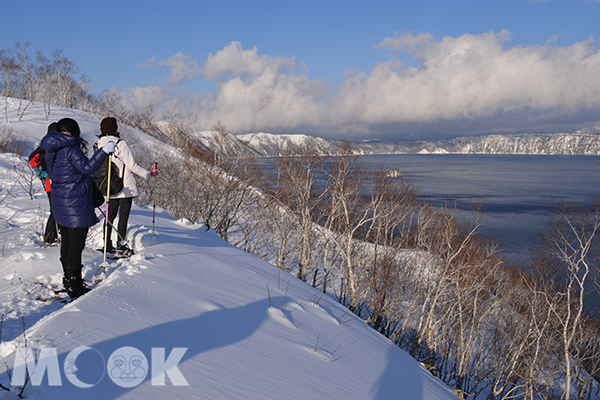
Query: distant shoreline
(588, 144)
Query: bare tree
(9, 68)
(298, 172)
(180, 127)
(219, 138)
(30, 78)
(3, 62)
(142, 118)
(66, 85)
(27, 69)
(571, 239)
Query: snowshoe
(124, 251)
(77, 291)
(61, 298)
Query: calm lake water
(516, 188)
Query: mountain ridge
(577, 143)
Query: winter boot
(65, 280)
(66, 283)
(109, 248)
(78, 272)
(76, 286)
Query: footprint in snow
(26, 256)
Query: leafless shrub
(18, 390)
(193, 188)
(12, 143)
(38, 224)
(569, 252)
(26, 177)
(296, 187)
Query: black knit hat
(108, 125)
(69, 125)
(52, 127)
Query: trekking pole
(105, 264)
(154, 203)
(111, 224)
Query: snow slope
(190, 315)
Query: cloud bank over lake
(428, 87)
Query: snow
(267, 144)
(206, 319)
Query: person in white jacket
(121, 202)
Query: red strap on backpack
(35, 161)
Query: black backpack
(100, 177)
(41, 160)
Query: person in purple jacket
(70, 171)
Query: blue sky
(355, 69)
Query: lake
(516, 188)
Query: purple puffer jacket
(70, 171)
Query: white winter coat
(122, 157)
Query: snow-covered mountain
(269, 145)
(527, 143)
(227, 143)
(577, 143)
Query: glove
(154, 172)
(109, 147)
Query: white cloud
(238, 62)
(182, 67)
(460, 81)
(399, 43)
(473, 76)
(255, 92)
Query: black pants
(73, 243)
(50, 234)
(123, 208)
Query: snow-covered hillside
(187, 317)
(534, 143)
(227, 143)
(268, 145)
